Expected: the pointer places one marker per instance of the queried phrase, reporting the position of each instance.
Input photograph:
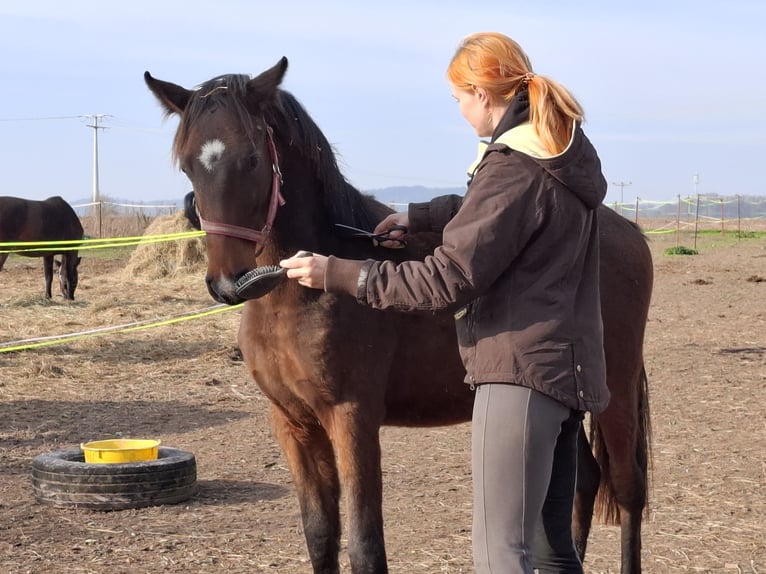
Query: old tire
(63, 478)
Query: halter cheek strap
(276, 200)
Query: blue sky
(670, 88)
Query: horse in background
(52, 219)
(266, 184)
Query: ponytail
(552, 111)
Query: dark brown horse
(266, 184)
(50, 220)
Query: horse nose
(221, 295)
(210, 282)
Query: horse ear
(172, 97)
(264, 86)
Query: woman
(519, 264)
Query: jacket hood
(578, 167)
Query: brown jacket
(519, 264)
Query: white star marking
(210, 153)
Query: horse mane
(342, 201)
(293, 128)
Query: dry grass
(168, 258)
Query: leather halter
(276, 200)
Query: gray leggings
(524, 456)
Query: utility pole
(96, 199)
(95, 117)
(622, 185)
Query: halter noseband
(276, 200)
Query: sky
(674, 92)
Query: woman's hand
(400, 218)
(308, 270)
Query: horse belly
(426, 384)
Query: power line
(622, 185)
(40, 119)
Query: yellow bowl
(120, 450)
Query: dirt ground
(184, 384)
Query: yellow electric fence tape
(126, 328)
(79, 244)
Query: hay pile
(168, 258)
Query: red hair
(496, 63)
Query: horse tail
(644, 445)
(606, 507)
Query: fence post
(739, 220)
(723, 228)
(100, 221)
(696, 220)
(678, 222)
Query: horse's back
(626, 261)
(51, 219)
(60, 220)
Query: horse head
(224, 144)
(266, 180)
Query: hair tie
(526, 78)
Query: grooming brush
(261, 280)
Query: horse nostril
(216, 293)
(209, 283)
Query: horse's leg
(357, 442)
(588, 479)
(48, 268)
(3, 257)
(311, 460)
(623, 429)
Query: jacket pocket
(550, 368)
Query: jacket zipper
(472, 339)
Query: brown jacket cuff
(347, 276)
(433, 215)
